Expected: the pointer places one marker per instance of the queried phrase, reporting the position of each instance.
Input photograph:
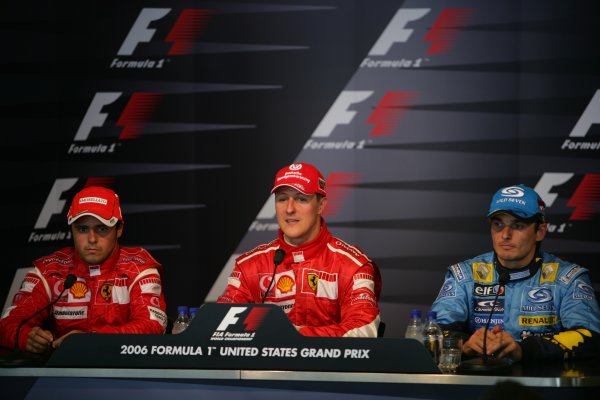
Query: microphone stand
(17, 358)
(277, 259)
(485, 364)
(69, 281)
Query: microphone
(69, 281)
(503, 279)
(277, 259)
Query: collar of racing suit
(310, 249)
(522, 273)
(84, 269)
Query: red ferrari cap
(99, 202)
(302, 177)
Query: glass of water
(450, 354)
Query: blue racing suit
(551, 308)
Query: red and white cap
(302, 177)
(99, 202)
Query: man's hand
(474, 345)
(504, 345)
(59, 341)
(39, 340)
(499, 344)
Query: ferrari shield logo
(313, 280)
(106, 291)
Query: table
(213, 359)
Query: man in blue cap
(536, 305)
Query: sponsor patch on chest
(320, 283)
(72, 312)
(284, 284)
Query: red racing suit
(122, 295)
(326, 287)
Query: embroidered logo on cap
(98, 200)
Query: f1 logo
(396, 31)
(54, 203)
(94, 117)
(139, 31)
(133, 118)
(339, 114)
(585, 200)
(189, 25)
(547, 182)
(442, 33)
(385, 117)
(590, 116)
(231, 318)
(252, 321)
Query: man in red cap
(324, 285)
(96, 286)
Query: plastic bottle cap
(182, 309)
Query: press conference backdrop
(416, 112)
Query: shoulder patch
(448, 288)
(62, 257)
(258, 250)
(137, 255)
(353, 253)
(567, 277)
(29, 283)
(457, 272)
(583, 291)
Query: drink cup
(450, 354)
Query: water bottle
(414, 330)
(182, 321)
(432, 336)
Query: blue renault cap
(520, 200)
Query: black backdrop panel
(416, 111)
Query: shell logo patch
(285, 284)
(78, 290)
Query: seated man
(546, 309)
(114, 289)
(325, 286)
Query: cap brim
(535, 217)
(99, 218)
(293, 187)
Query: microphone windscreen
(503, 278)
(69, 281)
(278, 257)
